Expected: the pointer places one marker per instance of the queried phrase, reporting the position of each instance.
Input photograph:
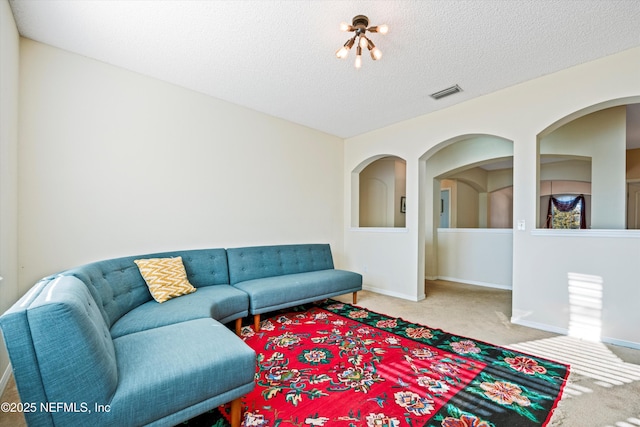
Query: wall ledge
(630, 234)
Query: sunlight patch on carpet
(587, 358)
(629, 422)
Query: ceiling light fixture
(359, 26)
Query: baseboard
(5, 379)
(475, 282)
(563, 331)
(622, 343)
(393, 294)
(540, 326)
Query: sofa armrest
(64, 332)
(19, 344)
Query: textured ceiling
(278, 57)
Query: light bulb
(345, 27)
(383, 29)
(363, 42)
(373, 50)
(344, 50)
(358, 57)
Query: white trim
(633, 234)
(622, 343)
(476, 283)
(393, 294)
(540, 326)
(5, 379)
(563, 331)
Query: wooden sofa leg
(355, 297)
(239, 326)
(236, 412)
(256, 322)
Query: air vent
(446, 92)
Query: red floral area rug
(336, 364)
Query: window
(566, 212)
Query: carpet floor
(597, 395)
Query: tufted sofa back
(257, 262)
(117, 286)
(60, 348)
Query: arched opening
(591, 159)
(469, 179)
(381, 193)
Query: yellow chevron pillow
(165, 277)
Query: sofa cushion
(274, 293)
(165, 277)
(268, 261)
(221, 302)
(165, 370)
(178, 365)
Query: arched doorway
(478, 172)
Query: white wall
(9, 66)
(477, 256)
(519, 114)
(113, 163)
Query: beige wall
(113, 163)
(501, 208)
(521, 114)
(468, 206)
(633, 164)
(9, 65)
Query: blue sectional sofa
(90, 346)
